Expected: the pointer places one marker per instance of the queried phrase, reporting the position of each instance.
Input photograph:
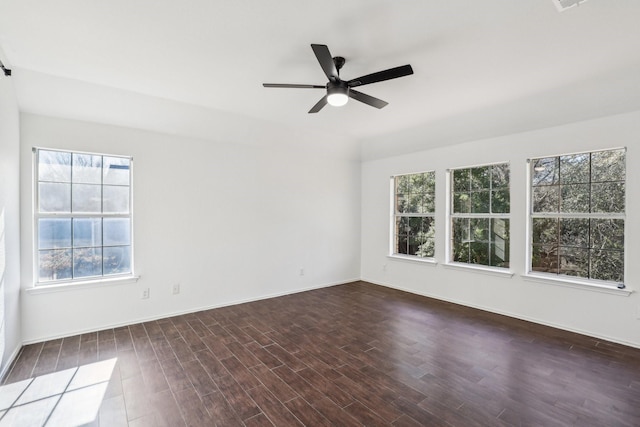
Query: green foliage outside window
(414, 228)
(480, 208)
(578, 204)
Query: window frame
(565, 279)
(37, 215)
(395, 214)
(451, 215)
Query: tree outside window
(578, 214)
(414, 218)
(480, 205)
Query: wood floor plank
(277, 413)
(22, 368)
(48, 358)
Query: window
(577, 215)
(82, 216)
(480, 215)
(414, 221)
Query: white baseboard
(508, 314)
(181, 312)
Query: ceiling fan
(339, 91)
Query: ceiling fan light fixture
(337, 96)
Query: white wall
(10, 328)
(611, 317)
(228, 222)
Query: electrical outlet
(145, 293)
(176, 289)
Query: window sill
(70, 286)
(491, 271)
(408, 258)
(577, 284)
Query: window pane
(607, 265)
(546, 198)
(54, 264)
(54, 233)
(117, 260)
(460, 231)
(545, 231)
(402, 184)
(54, 166)
(87, 262)
(461, 252)
(608, 166)
(402, 229)
(428, 204)
(116, 199)
(116, 170)
(480, 201)
(54, 197)
(479, 229)
(500, 201)
(402, 226)
(86, 198)
(461, 203)
(607, 197)
(426, 238)
(116, 231)
(500, 176)
(575, 168)
(418, 182)
(430, 181)
(415, 226)
(481, 178)
(544, 258)
(607, 234)
(545, 171)
(87, 232)
(461, 180)
(574, 232)
(402, 204)
(402, 246)
(574, 262)
(479, 253)
(415, 203)
(575, 198)
(499, 242)
(87, 168)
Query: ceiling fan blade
(293, 86)
(326, 61)
(391, 73)
(367, 99)
(319, 105)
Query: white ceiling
(482, 68)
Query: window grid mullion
(71, 215)
(588, 271)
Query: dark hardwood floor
(349, 355)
